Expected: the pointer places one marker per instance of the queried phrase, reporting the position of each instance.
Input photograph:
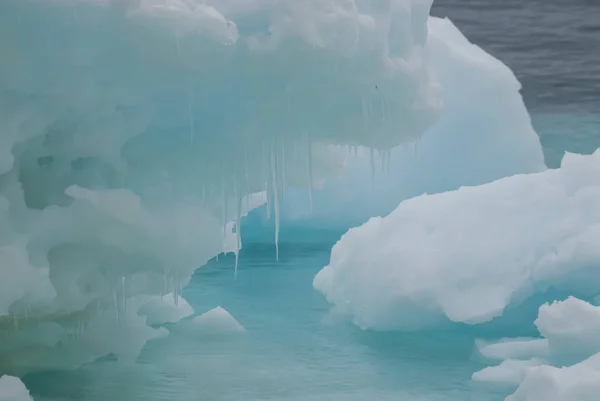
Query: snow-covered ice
(217, 321)
(13, 389)
(465, 255)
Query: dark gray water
(553, 46)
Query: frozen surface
(464, 256)
(134, 135)
(572, 328)
(13, 389)
(580, 382)
(217, 321)
(568, 367)
(484, 134)
(509, 372)
(165, 309)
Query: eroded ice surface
(13, 389)
(134, 135)
(484, 134)
(466, 255)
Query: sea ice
(570, 365)
(580, 382)
(465, 255)
(13, 389)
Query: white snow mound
(218, 321)
(465, 255)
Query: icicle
(223, 207)
(16, 323)
(116, 304)
(364, 113)
(310, 175)
(246, 167)
(191, 117)
(275, 201)
(283, 170)
(372, 161)
(238, 235)
(123, 295)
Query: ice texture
(135, 134)
(13, 389)
(509, 372)
(160, 310)
(580, 382)
(567, 367)
(217, 321)
(483, 134)
(465, 255)
(572, 328)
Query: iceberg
(135, 135)
(466, 255)
(483, 134)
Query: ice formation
(564, 365)
(160, 310)
(484, 134)
(579, 382)
(13, 389)
(465, 255)
(217, 321)
(133, 135)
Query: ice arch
(133, 133)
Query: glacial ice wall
(134, 134)
(466, 255)
(483, 134)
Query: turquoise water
(290, 351)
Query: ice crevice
(135, 135)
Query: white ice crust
(465, 255)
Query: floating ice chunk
(13, 389)
(580, 382)
(510, 372)
(166, 309)
(217, 321)
(572, 328)
(518, 348)
(466, 255)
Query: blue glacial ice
(136, 134)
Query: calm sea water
(289, 354)
(553, 46)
